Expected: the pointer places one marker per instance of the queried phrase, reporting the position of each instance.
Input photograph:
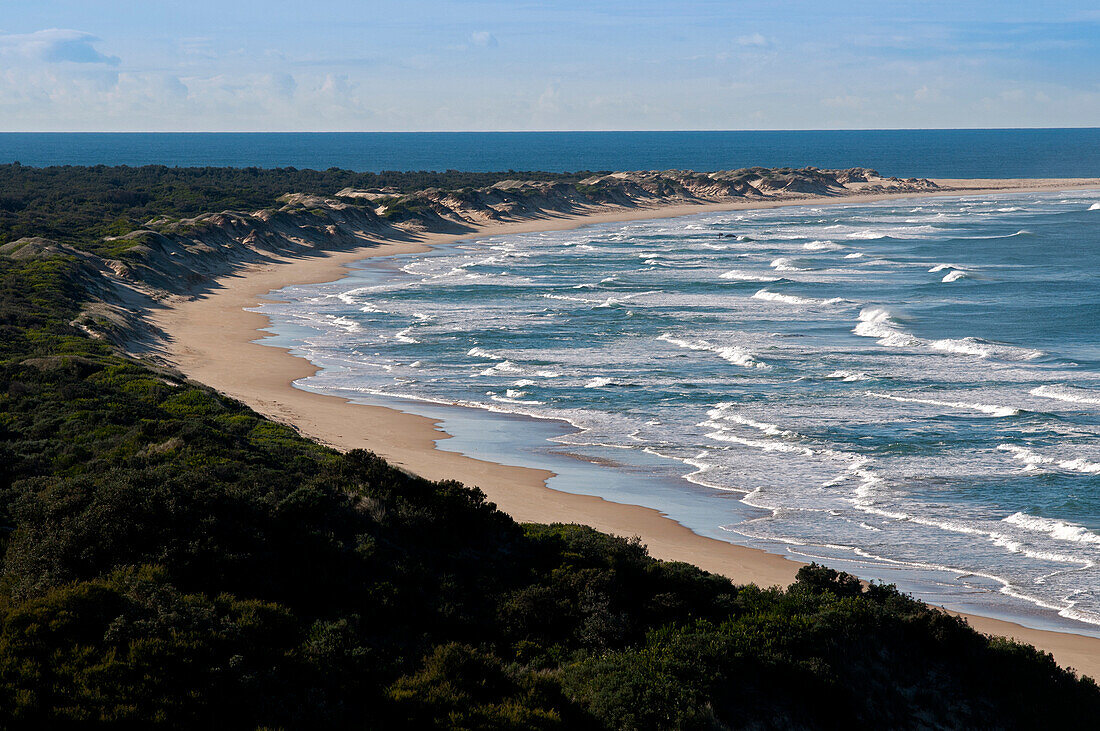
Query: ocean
(904, 153)
(906, 389)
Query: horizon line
(547, 131)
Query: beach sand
(213, 339)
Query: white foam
(505, 366)
(785, 264)
(733, 355)
(402, 336)
(722, 412)
(1021, 232)
(346, 324)
(482, 353)
(850, 376)
(825, 245)
(609, 302)
(791, 299)
(598, 383)
(1034, 459)
(348, 297)
(941, 267)
(954, 275)
(992, 410)
(768, 445)
(1095, 207)
(1080, 465)
(856, 255)
(867, 235)
(507, 400)
(1067, 393)
(983, 349)
(744, 276)
(964, 346)
(875, 322)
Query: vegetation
(81, 205)
(171, 559)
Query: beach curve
(211, 336)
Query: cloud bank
(495, 65)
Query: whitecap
(1021, 232)
(402, 336)
(867, 235)
(875, 322)
(744, 276)
(991, 409)
(785, 264)
(505, 366)
(983, 349)
(346, 324)
(849, 376)
(1067, 393)
(722, 411)
(507, 400)
(1034, 459)
(598, 382)
(767, 445)
(791, 299)
(733, 355)
(954, 275)
(824, 245)
(348, 297)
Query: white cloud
(753, 39)
(484, 39)
(55, 45)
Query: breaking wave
(731, 354)
(791, 299)
(992, 410)
(1067, 393)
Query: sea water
(901, 385)
(966, 153)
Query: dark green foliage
(171, 559)
(81, 205)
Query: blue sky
(557, 64)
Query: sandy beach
(213, 340)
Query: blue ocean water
(905, 384)
(905, 153)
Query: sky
(431, 65)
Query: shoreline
(211, 336)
